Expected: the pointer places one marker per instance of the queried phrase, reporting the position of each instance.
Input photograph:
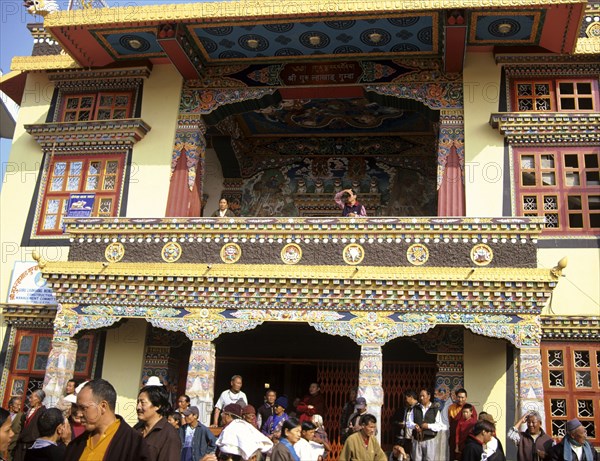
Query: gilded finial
(556, 271)
(38, 258)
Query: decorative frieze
(534, 128)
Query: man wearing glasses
(108, 436)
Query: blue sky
(15, 40)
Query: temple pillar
(370, 381)
(59, 368)
(530, 395)
(201, 378)
(187, 168)
(451, 163)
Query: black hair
(481, 426)
(367, 419)
(159, 397)
(49, 420)
(411, 393)
(103, 390)
(4, 414)
(461, 391)
(186, 397)
(13, 399)
(308, 426)
(176, 416)
(467, 406)
(288, 425)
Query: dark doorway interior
(289, 356)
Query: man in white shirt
(425, 421)
(233, 395)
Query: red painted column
(451, 164)
(187, 169)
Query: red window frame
(558, 95)
(78, 107)
(565, 397)
(102, 170)
(562, 184)
(22, 376)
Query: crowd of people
(84, 426)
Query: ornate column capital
(200, 382)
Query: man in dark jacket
(534, 443)
(29, 428)
(54, 434)
(108, 436)
(482, 433)
(196, 439)
(574, 446)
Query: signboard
(80, 205)
(327, 73)
(27, 285)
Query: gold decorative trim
(250, 10)
(482, 254)
(291, 253)
(570, 327)
(353, 254)
(417, 254)
(81, 270)
(53, 62)
(588, 46)
(171, 252)
(114, 252)
(231, 253)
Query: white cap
(153, 381)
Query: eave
(222, 286)
(571, 328)
(537, 128)
(82, 136)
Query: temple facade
(469, 130)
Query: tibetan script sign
(324, 73)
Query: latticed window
(67, 175)
(96, 106)
(571, 386)
(30, 357)
(555, 95)
(563, 185)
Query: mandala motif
(353, 254)
(218, 31)
(231, 253)
(126, 40)
(114, 252)
(171, 252)
(291, 253)
(209, 45)
(288, 52)
(482, 254)
(375, 37)
(314, 40)
(254, 43)
(340, 25)
(417, 254)
(404, 22)
(499, 28)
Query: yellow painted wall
(578, 291)
(485, 377)
(484, 146)
(22, 171)
(123, 359)
(151, 162)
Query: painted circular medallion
(417, 254)
(231, 253)
(353, 254)
(291, 253)
(482, 254)
(171, 252)
(114, 252)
